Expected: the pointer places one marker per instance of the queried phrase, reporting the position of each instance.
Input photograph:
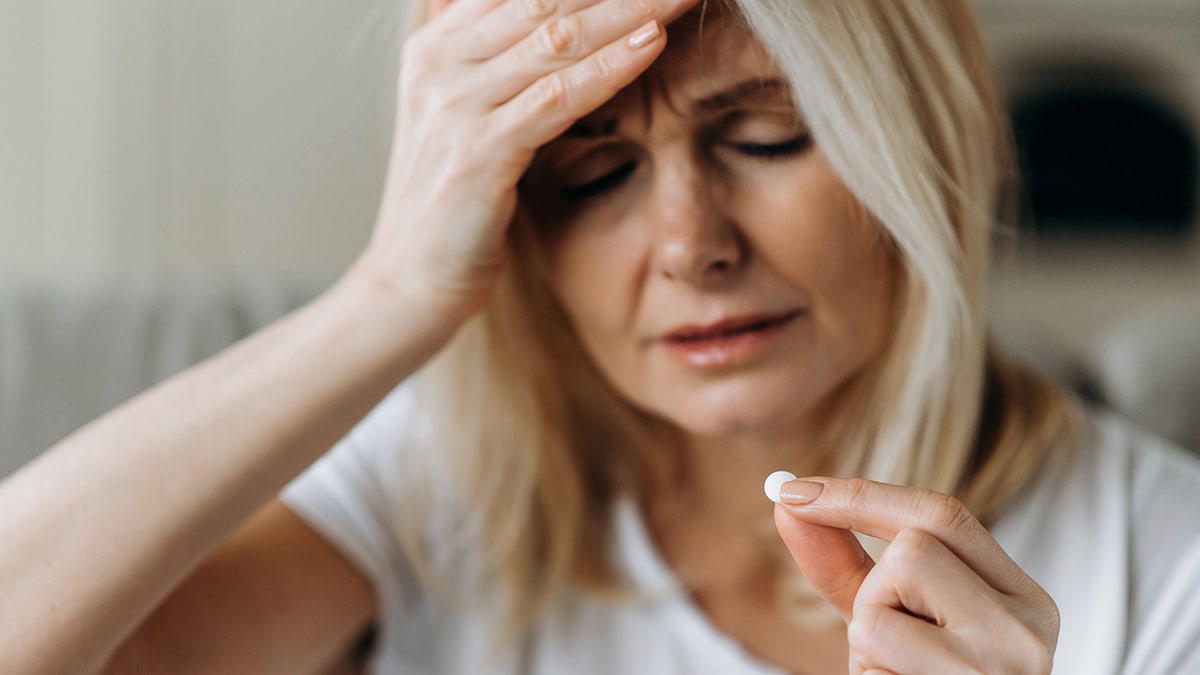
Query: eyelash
(614, 178)
(786, 148)
(601, 185)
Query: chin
(741, 416)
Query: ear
(437, 7)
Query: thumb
(831, 558)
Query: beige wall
(167, 134)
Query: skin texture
(149, 541)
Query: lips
(728, 327)
(729, 343)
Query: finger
(512, 21)
(547, 108)
(831, 558)
(516, 20)
(882, 638)
(919, 575)
(560, 42)
(457, 13)
(882, 510)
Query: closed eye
(792, 146)
(599, 186)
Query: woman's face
(713, 265)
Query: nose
(696, 240)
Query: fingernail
(799, 492)
(644, 35)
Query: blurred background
(171, 134)
(208, 152)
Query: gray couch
(70, 351)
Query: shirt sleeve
(351, 497)
(1111, 532)
(1165, 555)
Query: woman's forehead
(706, 54)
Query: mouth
(728, 343)
(729, 327)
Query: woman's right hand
(483, 85)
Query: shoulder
(365, 463)
(1113, 461)
(354, 495)
(1163, 551)
(1118, 481)
(1153, 479)
(364, 498)
(1107, 528)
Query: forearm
(98, 530)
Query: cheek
(827, 245)
(595, 275)
(860, 286)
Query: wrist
(404, 307)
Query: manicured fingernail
(644, 36)
(799, 492)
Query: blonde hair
(902, 100)
(900, 97)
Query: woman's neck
(723, 476)
(713, 526)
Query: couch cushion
(70, 351)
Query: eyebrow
(738, 93)
(755, 88)
(585, 129)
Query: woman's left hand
(944, 597)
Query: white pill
(774, 482)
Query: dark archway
(1099, 157)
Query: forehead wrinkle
(658, 82)
(715, 62)
(670, 79)
(754, 89)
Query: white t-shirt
(1113, 536)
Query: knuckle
(548, 95)
(640, 8)
(537, 9)
(945, 513)
(857, 490)
(908, 552)
(865, 628)
(560, 36)
(912, 543)
(604, 67)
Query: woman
(652, 271)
